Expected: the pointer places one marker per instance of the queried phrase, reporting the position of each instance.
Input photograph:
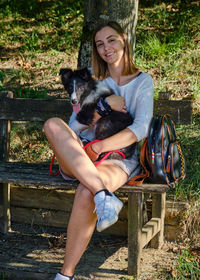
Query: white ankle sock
(60, 276)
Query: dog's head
(76, 83)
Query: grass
(190, 142)
(187, 266)
(167, 45)
(31, 93)
(28, 143)
(3, 276)
(40, 25)
(36, 38)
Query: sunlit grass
(187, 266)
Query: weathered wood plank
(149, 230)
(48, 199)
(38, 175)
(57, 218)
(158, 211)
(135, 205)
(34, 109)
(1, 211)
(41, 110)
(40, 216)
(180, 110)
(42, 198)
(5, 132)
(145, 188)
(5, 187)
(61, 200)
(5, 218)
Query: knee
(85, 198)
(51, 126)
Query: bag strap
(139, 179)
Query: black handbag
(165, 156)
(161, 156)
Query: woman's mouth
(108, 55)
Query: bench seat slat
(38, 175)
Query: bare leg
(82, 221)
(72, 158)
(74, 161)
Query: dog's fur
(85, 92)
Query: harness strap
(96, 163)
(106, 155)
(51, 166)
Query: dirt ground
(35, 252)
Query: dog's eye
(70, 88)
(81, 87)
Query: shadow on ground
(30, 252)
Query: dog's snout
(74, 101)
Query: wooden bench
(38, 175)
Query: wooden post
(135, 206)
(4, 153)
(158, 211)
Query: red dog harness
(96, 163)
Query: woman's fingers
(117, 102)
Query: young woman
(94, 201)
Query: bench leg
(135, 206)
(5, 208)
(158, 211)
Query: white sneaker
(107, 207)
(62, 277)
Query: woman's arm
(142, 110)
(120, 140)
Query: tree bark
(125, 12)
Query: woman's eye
(99, 45)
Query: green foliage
(1, 79)
(28, 143)
(3, 276)
(32, 25)
(187, 266)
(166, 45)
(31, 93)
(190, 142)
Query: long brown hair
(99, 66)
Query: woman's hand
(116, 102)
(91, 153)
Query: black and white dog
(85, 92)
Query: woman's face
(110, 45)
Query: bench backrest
(18, 109)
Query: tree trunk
(97, 11)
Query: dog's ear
(84, 74)
(65, 73)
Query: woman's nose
(106, 46)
